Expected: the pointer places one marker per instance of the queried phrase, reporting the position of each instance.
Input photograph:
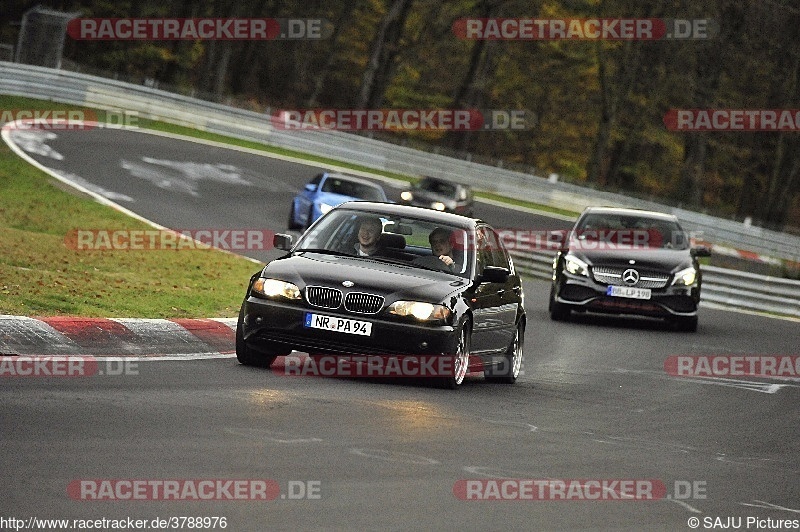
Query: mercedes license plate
(629, 292)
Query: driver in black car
(369, 234)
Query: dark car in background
(326, 191)
(323, 297)
(627, 261)
(440, 195)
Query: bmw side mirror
(282, 241)
(495, 274)
(701, 251)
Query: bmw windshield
(403, 240)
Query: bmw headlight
(420, 310)
(324, 208)
(686, 277)
(576, 266)
(275, 288)
(407, 195)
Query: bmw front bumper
(274, 323)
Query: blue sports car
(326, 191)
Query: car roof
(397, 209)
(628, 212)
(352, 178)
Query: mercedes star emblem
(630, 276)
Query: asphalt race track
(594, 404)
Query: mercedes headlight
(686, 277)
(576, 266)
(438, 205)
(407, 195)
(275, 288)
(420, 310)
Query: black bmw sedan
(627, 261)
(339, 292)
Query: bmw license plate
(628, 291)
(342, 325)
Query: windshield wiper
(324, 250)
(433, 269)
(387, 260)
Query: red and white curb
(178, 339)
(743, 254)
(717, 249)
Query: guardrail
(92, 91)
(727, 288)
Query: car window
(501, 256)
(368, 192)
(656, 232)
(458, 239)
(494, 253)
(438, 187)
(482, 257)
(353, 189)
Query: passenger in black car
(442, 249)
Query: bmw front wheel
(461, 357)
